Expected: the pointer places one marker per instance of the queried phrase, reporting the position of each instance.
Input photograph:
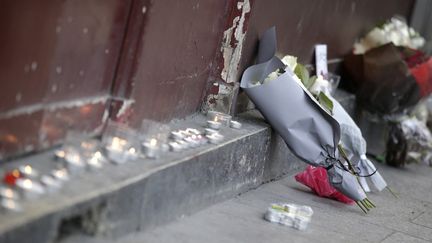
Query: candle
(28, 171)
(96, 161)
(177, 135)
(9, 193)
(10, 205)
(183, 144)
(116, 150)
(60, 174)
(50, 183)
(215, 138)
(193, 131)
(223, 118)
(151, 149)
(174, 146)
(74, 162)
(164, 147)
(209, 131)
(215, 124)
(30, 189)
(235, 124)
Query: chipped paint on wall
(232, 44)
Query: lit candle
(30, 189)
(175, 146)
(235, 124)
(151, 149)
(215, 138)
(215, 124)
(10, 205)
(50, 183)
(96, 161)
(177, 135)
(60, 174)
(209, 131)
(116, 150)
(193, 131)
(74, 162)
(28, 171)
(9, 193)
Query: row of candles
(118, 145)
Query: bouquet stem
(392, 192)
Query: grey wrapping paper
(310, 132)
(352, 140)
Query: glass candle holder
(120, 143)
(29, 189)
(223, 118)
(154, 137)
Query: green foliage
(326, 102)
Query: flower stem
(358, 204)
(392, 192)
(364, 205)
(370, 202)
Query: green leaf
(326, 102)
(302, 73)
(311, 82)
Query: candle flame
(27, 183)
(9, 193)
(28, 169)
(153, 142)
(16, 173)
(215, 118)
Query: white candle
(235, 124)
(175, 146)
(60, 174)
(28, 171)
(215, 124)
(177, 135)
(74, 162)
(116, 150)
(10, 205)
(151, 149)
(30, 189)
(9, 193)
(51, 183)
(215, 138)
(96, 160)
(209, 131)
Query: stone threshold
(138, 195)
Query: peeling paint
(232, 51)
(125, 107)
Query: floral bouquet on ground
(307, 128)
(352, 141)
(388, 72)
(391, 76)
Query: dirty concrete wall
(72, 64)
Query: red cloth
(316, 179)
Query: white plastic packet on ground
(293, 215)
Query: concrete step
(143, 194)
(140, 195)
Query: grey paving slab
(406, 219)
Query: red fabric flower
(316, 179)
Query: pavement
(407, 218)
